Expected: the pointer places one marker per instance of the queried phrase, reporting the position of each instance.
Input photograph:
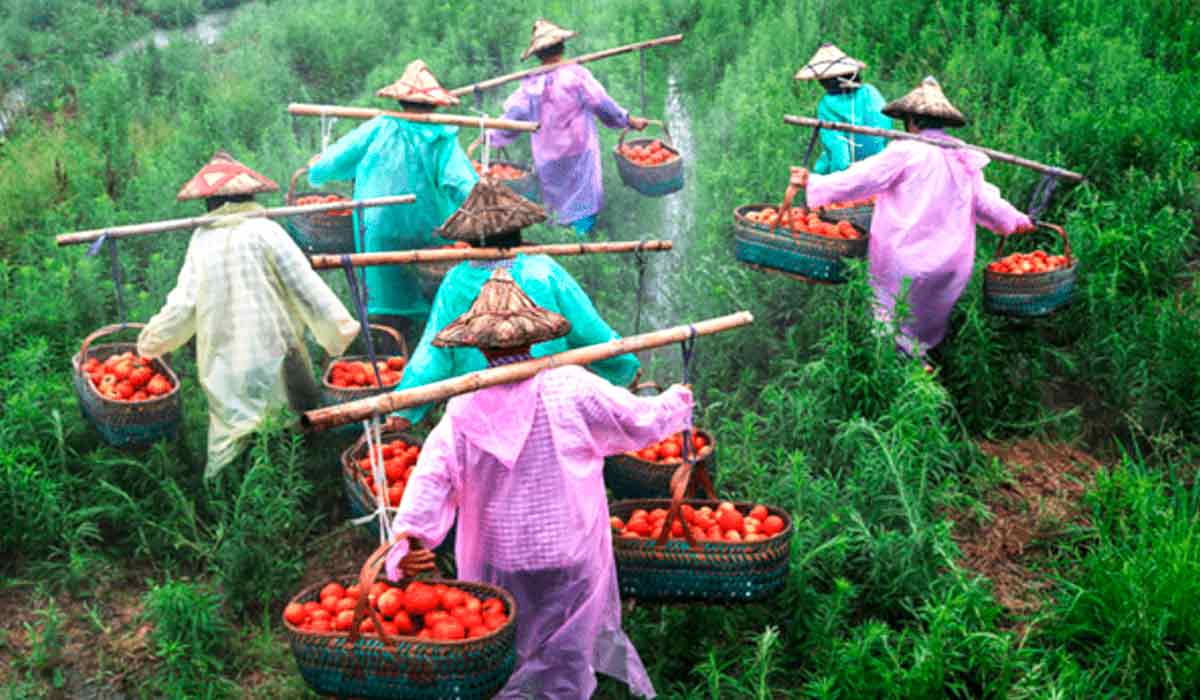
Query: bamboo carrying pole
(301, 109)
(353, 411)
(496, 82)
(406, 257)
(892, 134)
(193, 222)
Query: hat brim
(840, 70)
(547, 43)
(901, 112)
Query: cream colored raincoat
(247, 292)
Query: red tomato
(140, 376)
(158, 385)
(379, 588)
(124, 390)
(353, 591)
(698, 442)
(494, 621)
(453, 598)
(730, 520)
(390, 629)
(312, 606)
(390, 602)
(346, 604)
(493, 605)
(321, 626)
(669, 450)
(476, 632)
(366, 627)
(329, 603)
(759, 512)
(343, 620)
(403, 623)
(320, 614)
(295, 613)
(773, 525)
(419, 601)
(616, 523)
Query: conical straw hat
(829, 62)
(502, 317)
(418, 85)
(224, 177)
(928, 100)
(492, 209)
(545, 35)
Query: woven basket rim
(699, 456)
(498, 592)
(78, 366)
(328, 373)
(630, 163)
(1033, 276)
(650, 544)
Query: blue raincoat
(862, 107)
(549, 285)
(389, 156)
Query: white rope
(372, 431)
(327, 123)
(483, 138)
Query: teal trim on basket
(129, 435)
(792, 261)
(1030, 305)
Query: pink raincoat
(928, 201)
(522, 465)
(566, 149)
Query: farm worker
(247, 293)
(928, 202)
(494, 215)
(522, 467)
(565, 101)
(847, 99)
(390, 156)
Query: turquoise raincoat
(389, 156)
(862, 107)
(550, 287)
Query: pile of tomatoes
(431, 612)
(670, 450)
(724, 524)
(127, 377)
(353, 374)
(804, 221)
(1029, 263)
(325, 199)
(399, 458)
(850, 204)
(654, 153)
(500, 171)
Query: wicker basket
(319, 233)
(725, 572)
(331, 395)
(805, 255)
(651, 180)
(629, 476)
(431, 274)
(527, 185)
(1032, 295)
(346, 664)
(123, 423)
(358, 496)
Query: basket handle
(393, 334)
(659, 122)
(683, 485)
(419, 560)
(100, 333)
(788, 195)
(1048, 226)
(291, 193)
(647, 385)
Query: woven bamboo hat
(829, 62)
(224, 177)
(418, 85)
(492, 209)
(926, 99)
(545, 35)
(503, 317)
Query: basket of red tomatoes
(796, 241)
(327, 232)
(396, 456)
(650, 166)
(422, 638)
(131, 400)
(351, 377)
(713, 551)
(1030, 284)
(516, 176)
(646, 473)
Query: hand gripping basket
(124, 423)
(651, 180)
(670, 570)
(527, 185)
(807, 256)
(332, 395)
(630, 476)
(383, 667)
(319, 233)
(1031, 295)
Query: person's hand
(638, 123)
(799, 177)
(396, 424)
(418, 560)
(1028, 227)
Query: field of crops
(1025, 523)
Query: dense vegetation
(814, 413)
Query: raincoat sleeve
(175, 323)
(458, 175)
(430, 501)
(587, 328)
(518, 107)
(598, 102)
(835, 145)
(995, 213)
(316, 304)
(864, 179)
(340, 161)
(620, 421)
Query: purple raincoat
(522, 465)
(566, 149)
(928, 201)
